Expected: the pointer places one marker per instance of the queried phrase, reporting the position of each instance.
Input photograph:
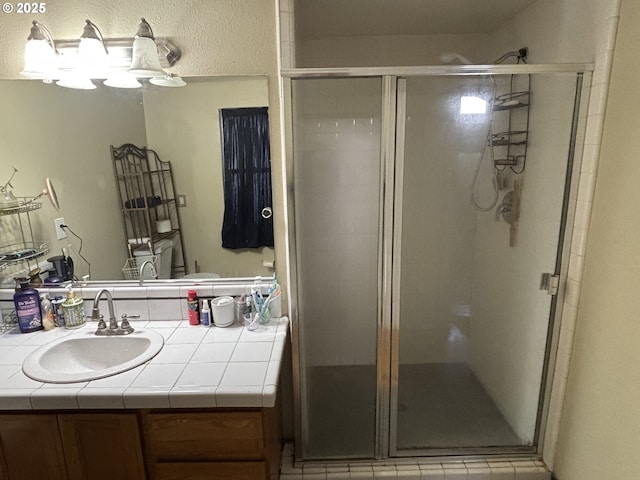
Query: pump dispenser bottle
(73, 310)
(27, 303)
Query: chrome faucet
(153, 270)
(113, 329)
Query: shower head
(521, 55)
(452, 57)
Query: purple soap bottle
(27, 302)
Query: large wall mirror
(64, 134)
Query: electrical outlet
(60, 233)
(182, 200)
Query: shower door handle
(550, 282)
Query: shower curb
(412, 469)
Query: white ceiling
(323, 18)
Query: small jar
(242, 307)
(58, 311)
(34, 277)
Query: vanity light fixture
(169, 80)
(118, 60)
(40, 54)
(144, 58)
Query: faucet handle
(124, 323)
(101, 323)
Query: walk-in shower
(418, 324)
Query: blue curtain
(247, 178)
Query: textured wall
(216, 36)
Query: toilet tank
(164, 254)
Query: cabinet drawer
(211, 471)
(204, 436)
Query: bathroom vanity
(204, 407)
(241, 444)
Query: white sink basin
(85, 356)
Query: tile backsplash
(152, 302)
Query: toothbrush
(268, 302)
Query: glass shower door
(469, 321)
(337, 185)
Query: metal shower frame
(387, 333)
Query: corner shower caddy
(24, 248)
(511, 145)
(147, 195)
(512, 142)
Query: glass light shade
(168, 81)
(76, 81)
(92, 58)
(144, 59)
(122, 80)
(40, 61)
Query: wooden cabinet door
(102, 446)
(184, 437)
(211, 471)
(30, 448)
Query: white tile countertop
(197, 367)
